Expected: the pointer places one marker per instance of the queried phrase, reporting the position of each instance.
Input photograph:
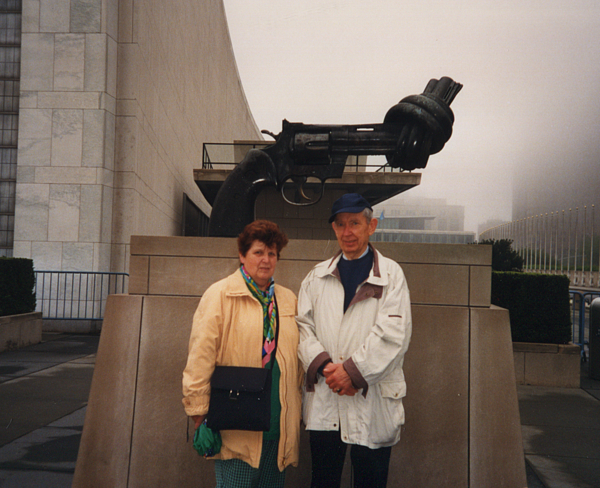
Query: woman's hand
(198, 419)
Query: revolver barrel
(320, 143)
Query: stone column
(64, 194)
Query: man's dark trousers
(369, 466)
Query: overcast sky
(530, 70)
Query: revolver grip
(233, 207)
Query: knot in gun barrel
(427, 123)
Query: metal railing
(76, 295)
(556, 243)
(228, 155)
(580, 318)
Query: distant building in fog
(421, 220)
(558, 187)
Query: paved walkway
(44, 390)
(561, 433)
(43, 393)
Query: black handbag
(240, 396)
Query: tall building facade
(117, 98)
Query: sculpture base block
(462, 417)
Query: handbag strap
(272, 361)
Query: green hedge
(17, 280)
(503, 256)
(538, 304)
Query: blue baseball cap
(351, 203)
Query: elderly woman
(234, 325)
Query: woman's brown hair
(264, 231)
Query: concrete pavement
(44, 390)
(561, 433)
(43, 393)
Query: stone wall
(462, 419)
(117, 98)
(21, 330)
(555, 365)
(66, 134)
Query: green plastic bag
(207, 441)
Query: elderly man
(355, 325)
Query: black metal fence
(76, 295)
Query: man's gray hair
(368, 213)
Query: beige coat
(227, 330)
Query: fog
(530, 72)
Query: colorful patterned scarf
(269, 313)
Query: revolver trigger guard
(313, 202)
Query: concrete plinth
(462, 419)
(21, 330)
(547, 364)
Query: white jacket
(370, 339)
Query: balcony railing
(227, 156)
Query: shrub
(538, 305)
(17, 280)
(503, 256)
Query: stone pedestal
(462, 418)
(555, 365)
(20, 330)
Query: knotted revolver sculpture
(304, 156)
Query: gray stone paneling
(95, 62)
(64, 209)
(84, 62)
(37, 62)
(46, 255)
(94, 136)
(35, 124)
(86, 15)
(67, 137)
(90, 213)
(69, 60)
(32, 206)
(30, 20)
(55, 15)
(77, 256)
